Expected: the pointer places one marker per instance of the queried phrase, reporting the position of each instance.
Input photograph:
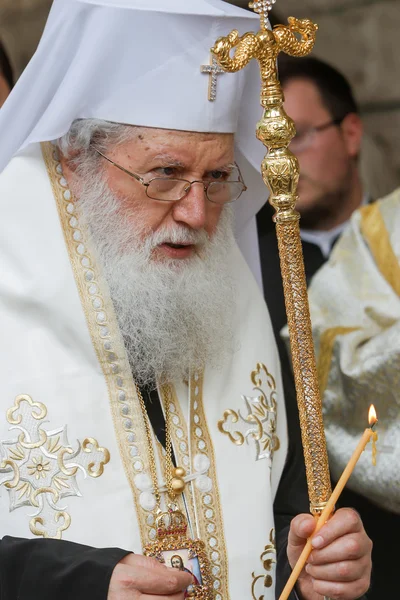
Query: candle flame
(372, 418)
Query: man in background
(327, 144)
(355, 311)
(6, 76)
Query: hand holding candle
(329, 508)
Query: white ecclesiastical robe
(355, 312)
(74, 461)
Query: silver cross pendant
(213, 70)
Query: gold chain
(153, 468)
(168, 444)
(170, 470)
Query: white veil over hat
(139, 62)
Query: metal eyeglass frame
(318, 129)
(190, 183)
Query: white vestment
(74, 461)
(355, 312)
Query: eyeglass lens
(170, 190)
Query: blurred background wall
(21, 24)
(357, 36)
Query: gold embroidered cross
(259, 425)
(39, 467)
(213, 70)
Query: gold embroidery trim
(374, 231)
(327, 343)
(268, 559)
(180, 442)
(106, 340)
(209, 512)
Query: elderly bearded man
(136, 335)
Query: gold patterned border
(327, 343)
(180, 442)
(209, 512)
(374, 231)
(107, 341)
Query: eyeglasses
(170, 189)
(305, 138)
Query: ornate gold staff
(280, 171)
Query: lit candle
(368, 434)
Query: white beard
(176, 315)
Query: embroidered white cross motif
(259, 425)
(39, 467)
(213, 70)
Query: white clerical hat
(141, 62)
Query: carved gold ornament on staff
(280, 171)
